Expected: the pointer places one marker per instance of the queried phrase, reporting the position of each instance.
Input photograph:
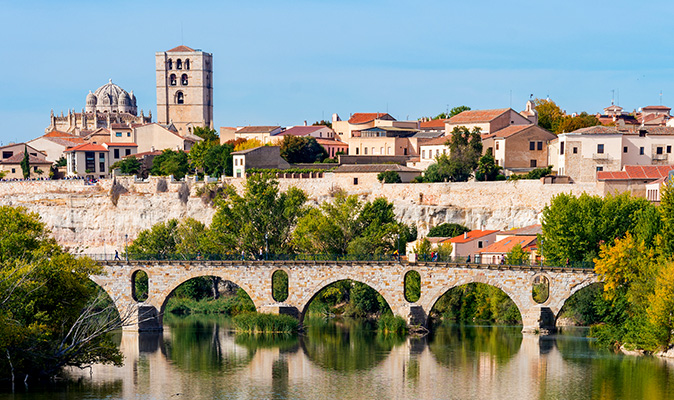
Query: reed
(265, 323)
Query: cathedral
(109, 104)
(184, 98)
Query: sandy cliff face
(84, 216)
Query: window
(658, 150)
(539, 146)
(669, 149)
(561, 148)
(600, 168)
(364, 150)
(101, 162)
(496, 145)
(187, 64)
(405, 151)
(532, 145)
(118, 134)
(128, 134)
(180, 98)
(356, 150)
(625, 149)
(479, 244)
(575, 150)
(116, 153)
(179, 64)
(423, 153)
(600, 149)
(496, 162)
(89, 161)
(170, 64)
(127, 152)
(355, 181)
(532, 163)
(183, 80)
(641, 151)
(381, 150)
(35, 168)
(14, 170)
(172, 80)
(7, 154)
(437, 152)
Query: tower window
(183, 80)
(180, 98)
(172, 80)
(187, 64)
(179, 64)
(170, 64)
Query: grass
(392, 324)
(232, 305)
(265, 323)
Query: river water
(200, 358)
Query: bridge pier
(414, 314)
(281, 309)
(144, 318)
(538, 319)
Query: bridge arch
(303, 304)
(160, 299)
(518, 298)
(562, 301)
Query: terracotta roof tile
(361, 118)
(434, 123)
(474, 116)
(301, 130)
(58, 134)
(180, 49)
(364, 168)
(470, 236)
(642, 172)
(507, 244)
(525, 231)
(330, 142)
(121, 144)
(434, 141)
(257, 129)
(598, 130)
(18, 157)
(87, 147)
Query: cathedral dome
(91, 99)
(112, 98)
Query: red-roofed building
(636, 179)
(317, 131)
(583, 153)
(496, 252)
(471, 243)
(362, 121)
(519, 148)
(88, 161)
(487, 120)
(11, 157)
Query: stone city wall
(84, 217)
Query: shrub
(265, 323)
(390, 324)
(389, 177)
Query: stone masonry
(307, 278)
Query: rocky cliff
(85, 218)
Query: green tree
(447, 230)
(457, 110)
(25, 163)
(570, 124)
(517, 256)
(187, 239)
(212, 158)
(389, 177)
(550, 115)
(171, 162)
(127, 166)
(298, 149)
(575, 227)
(241, 222)
(50, 313)
(667, 217)
(465, 149)
(487, 170)
(323, 122)
(209, 135)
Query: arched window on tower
(180, 98)
(170, 64)
(183, 80)
(179, 64)
(172, 80)
(187, 64)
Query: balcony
(659, 157)
(600, 156)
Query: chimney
(305, 122)
(465, 235)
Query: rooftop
(640, 172)
(301, 130)
(372, 168)
(472, 235)
(434, 123)
(87, 147)
(440, 140)
(507, 244)
(180, 49)
(475, 116)
(18, 157)
(257, 129)
(361, 118)
(526, 231)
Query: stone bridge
(308, 278)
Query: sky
(281, 63)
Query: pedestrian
(243, 255)
(468, 259)
(116, 255)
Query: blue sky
(286, 62)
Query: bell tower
(185, 88)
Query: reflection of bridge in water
(411, 369)
(308, 278)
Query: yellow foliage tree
(248, 144)
(661, 309)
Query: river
(199, 357)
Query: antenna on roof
(612, 96)
(661, 97)
(618, 98)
